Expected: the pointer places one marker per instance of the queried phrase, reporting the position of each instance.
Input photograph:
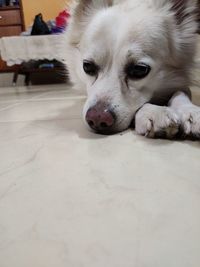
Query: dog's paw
(190, 121)
(157, 122)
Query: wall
(49, 9)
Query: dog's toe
(190, 121)
(157, 122)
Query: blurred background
(27, 18)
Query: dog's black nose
(100, 118)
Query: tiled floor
(70, 198)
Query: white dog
(134, 58)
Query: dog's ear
(82, 8)
(186, 17)
(184, 29)
(81, 14)
(185, 10)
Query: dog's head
(123, 52)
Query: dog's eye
(90, 68)
(137, 71)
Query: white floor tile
(72, 198)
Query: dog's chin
(107, 132)
(112, 131)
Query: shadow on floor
(77, 125)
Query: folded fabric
(18, 49)
(62, 19)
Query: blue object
(46, 66)
(2, 3)
(16, 3)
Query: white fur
(156, 121)
(147, 31)
(188, 113)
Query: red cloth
(62, 19)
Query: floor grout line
(10, 106)
(42, 99)
(47, 120)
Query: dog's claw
(190, 121)
(157, 122)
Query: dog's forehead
(102, 29)
(112, 30)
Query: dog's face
(123, 54)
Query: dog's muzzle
(101, 118)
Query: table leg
(15, 77)
(27, 79)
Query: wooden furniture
(27, 69)
(38, 55)
(11, 24)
